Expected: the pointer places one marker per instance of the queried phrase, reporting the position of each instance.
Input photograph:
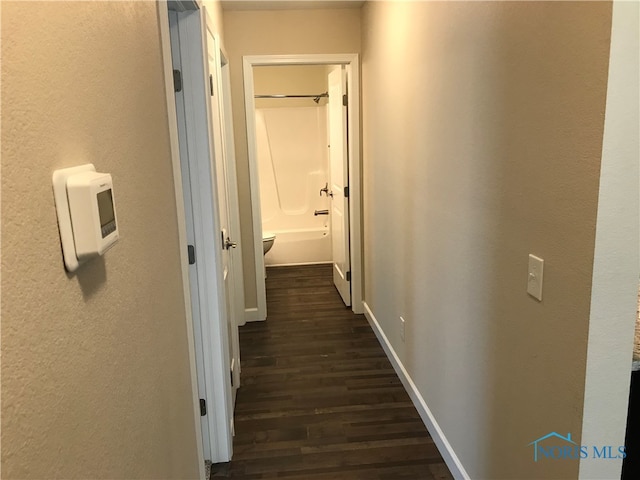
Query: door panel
(185, 172)
(201, 150)
(228, 238)
(338, 180)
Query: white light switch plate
(534, 279)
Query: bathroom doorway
(293, 163)
(302, 116)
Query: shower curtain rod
(322, 95)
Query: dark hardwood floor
(319, 398)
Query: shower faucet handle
(325, 189)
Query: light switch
(534, 281)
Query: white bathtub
(300, 247)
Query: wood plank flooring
(319, 398)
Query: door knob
(229, 244)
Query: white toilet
(267, 241)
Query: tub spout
(321, 212)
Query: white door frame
(210, 294)
(351, 61)
(165, 39)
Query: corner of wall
(214, 14)
(616, 261)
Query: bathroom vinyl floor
(318, 397)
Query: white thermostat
(86, 213)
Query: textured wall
(95, 372)
(278, 32)
(483, 125)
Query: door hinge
(203, 407)
(346, 192)
(211, 84)
(348, 276)
(177, 80)
(191, 251)
(345, 100)
(231, 372)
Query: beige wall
(483, 127)
(275, 33)
(289, 80)
(95, 366)
(213, 9)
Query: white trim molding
(352, 63)
(251, 315)
(443, 445)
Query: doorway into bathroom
(302, 117)
(293, 163)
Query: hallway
(319, 399)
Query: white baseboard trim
(251, 315)
(449, 456)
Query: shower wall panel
(293, 167)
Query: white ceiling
(288, 4)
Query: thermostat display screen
(105, 210)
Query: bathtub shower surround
(293, 167)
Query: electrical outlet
(402, 322)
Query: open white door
(196, 301)
(228, 237)
(339, 182)
(212, 222)
(201, 153)
(234, 203)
